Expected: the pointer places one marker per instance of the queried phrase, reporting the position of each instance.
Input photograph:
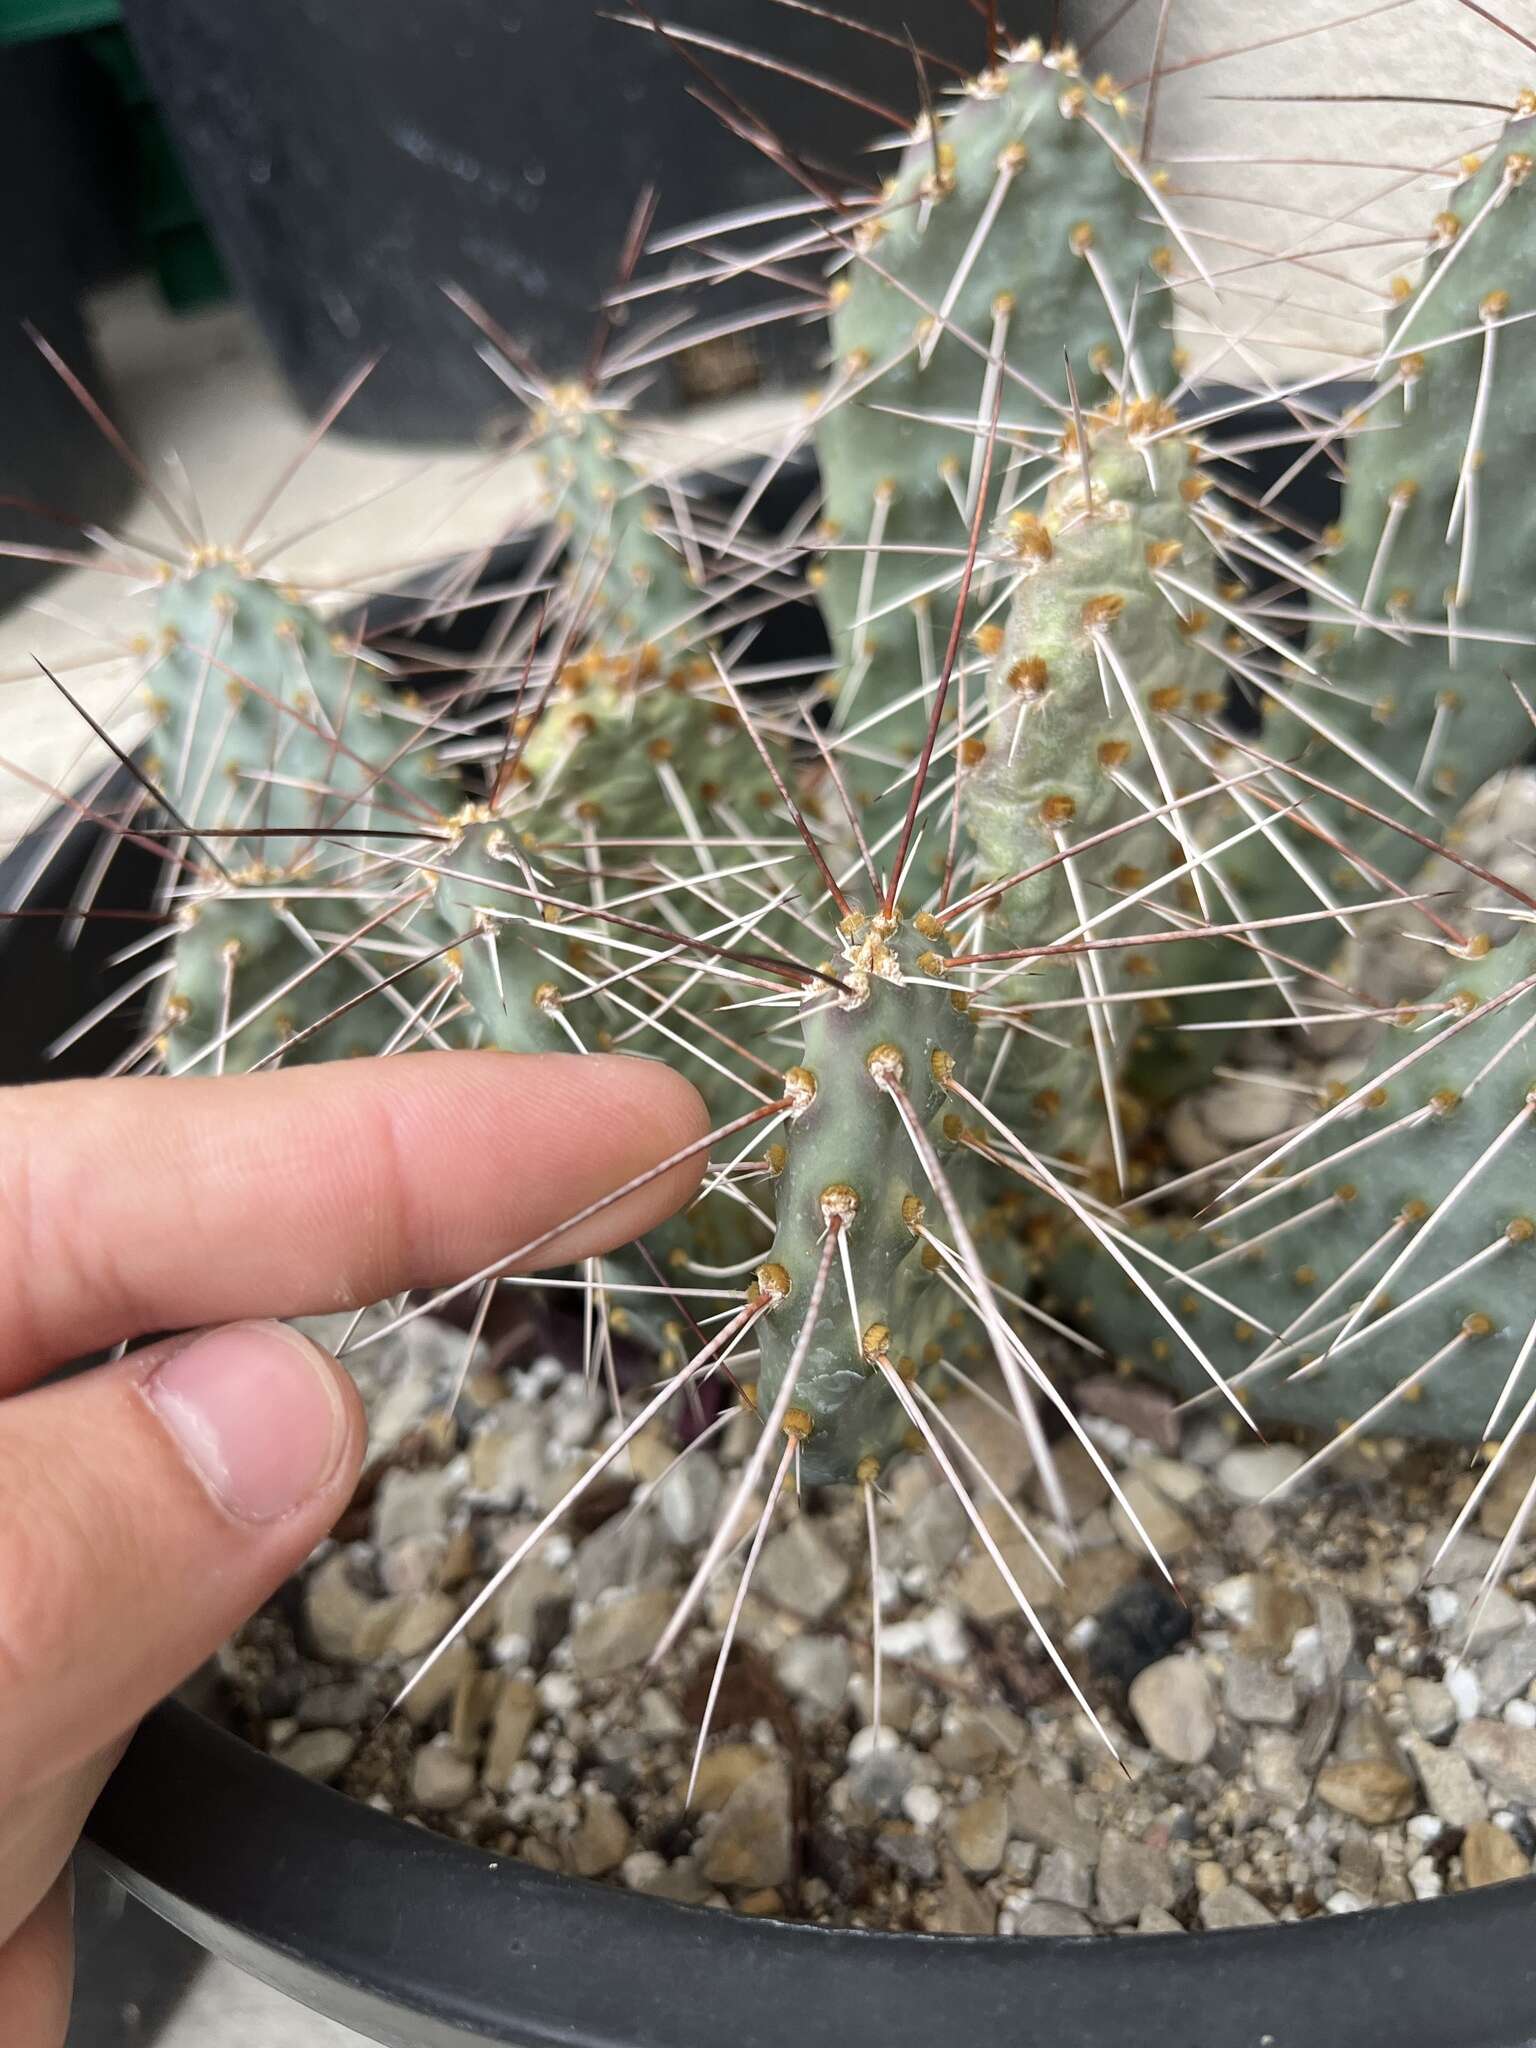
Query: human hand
(147, 1507)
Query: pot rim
(423, 1942)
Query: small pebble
(922, 1805)
(1048, 1917)
(1131, 1877)
(1173, 1703)
(751, 1844)
(1466, 1692)
(321, 1753)
(1233, 1906)
(1503, 1757)
(978, 1834)
(1250, 1472)
(1490, 1856)
(1368, 1789)
(801, 1570)
(441, 1777)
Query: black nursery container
(420, 1943)
(62, 236)
(349, 154)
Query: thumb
(145, 1509)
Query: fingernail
(256, 1412)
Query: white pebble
(512, 1649)
(1082, 1633)
(865, 1741)
(1308, 1659)
(1117, 1438)
(1426, 1827)
(1461, 1683)
(1234, 1598)
(1344, 1901)
(948, 1642)
(641, 1868)
(1520, 1714)
(1504, 1819)
(558, 1550)
(559, 1691)
(1425, 1879)
(906, 1638)
(922, 1805)
(1443, 1605)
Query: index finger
(138, 1205)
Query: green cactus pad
(266, 718)
(1014, 221)
(244, 974)
(1095, 656)
(1450, 1183)
(847, 1154)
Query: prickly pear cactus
(1095, 658)
(876, 1057)
(267, 719)
(1409, 692)
(1391, 1250)
(1018, 229)
(260, 979)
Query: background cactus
(1411, 689)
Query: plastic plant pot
(418, 1942)
(347, 158)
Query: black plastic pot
(62, 236)
(420, 1943)
(349, 156)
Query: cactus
(917, 1108)
(1411, 689)
(1389, 1248)
(274, 741)
(1095, 656)
(875, 1059)
(1016, 230)
(265, 718)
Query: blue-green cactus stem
(847, 1154)
(1392, 1248)
(1018, 234)
(1096, 657)
(266, 718)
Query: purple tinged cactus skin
(1013, 234)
